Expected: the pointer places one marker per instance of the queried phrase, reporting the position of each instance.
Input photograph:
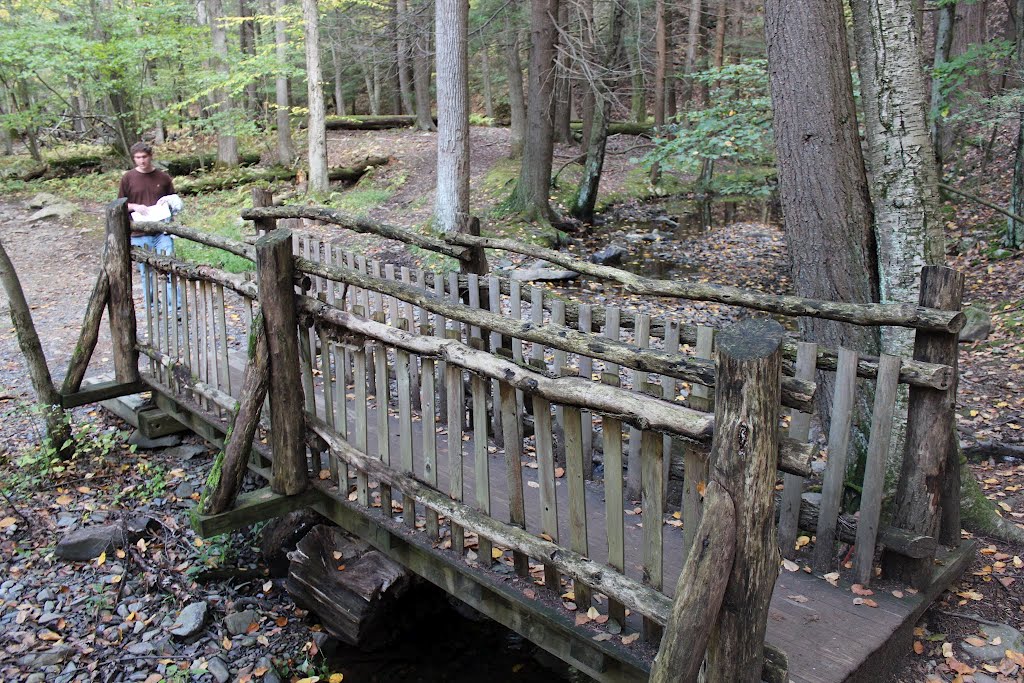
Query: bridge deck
(825, 636)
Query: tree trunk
(586, 197)
(485, 77)
(822, 182)
(720, 24)
(451, 204)
(58, 429)
(563, 91)
(588, 41)
(227, 142)
(638, 94)
(660, 68)
(530, 196)
(402, 48)
(339, 89)
(318, 180)
(1014, 237)
(901, 161)
(285, 147)
(692, 43)
(247, 46)
(421, 68)
(516, 101)
(943, 44)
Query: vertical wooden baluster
(369, 309)
(543, 431)
(793, 484)
(516, 304)
(403, 382)
(359, 373)
(653, 505)
(481, 461)
(695, 458)
(574, 475)
(611, 429)
(148, 310)
(186, 325)
(414, 362)
(669, 446)
(558, 318)
(587, 372)
(327, 375)
(835, 468)
(633, 464)
(456, 411)
(440, 330)
(210, 359)
(494, 343)
(392, 302)
(874, 471)
(429, 412)
(514, 470)
(380, 365)
(225, 374)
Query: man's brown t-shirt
(145, 188)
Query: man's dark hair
(141, 148)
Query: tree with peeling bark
(285, 147)
(318, 180)
(451, 202)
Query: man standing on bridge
(151, 197)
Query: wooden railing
(433, 360)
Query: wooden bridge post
(274, 271)
(263, 197)
(117, 262)
(928, 494)
(744, 458)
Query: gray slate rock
(62, 210)
(190, 620)
(237, 623)
(219, 669)
(611, 255)
(541, 271)
(141, 441)
(51, 657)
(978, 325)
(1011, 639)
(186, 451)
(44, 199)
(89, 542)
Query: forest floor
(109, 620)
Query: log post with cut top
(930, 474)
(274, 273)
(744, 451)
(117, 261)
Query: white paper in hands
(160, 212)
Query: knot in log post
(744, 455)
(274, 275)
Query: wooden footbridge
(453, 421)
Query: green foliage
(962, 103)
(39, 462)
(211, 553)
(736, 127)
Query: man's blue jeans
(161, 244)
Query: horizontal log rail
(912, 372)
(898, 315)
(194, 234)
(194, 271)
(638, 598)
(357, 224)
(795, 393)
(639, 410)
